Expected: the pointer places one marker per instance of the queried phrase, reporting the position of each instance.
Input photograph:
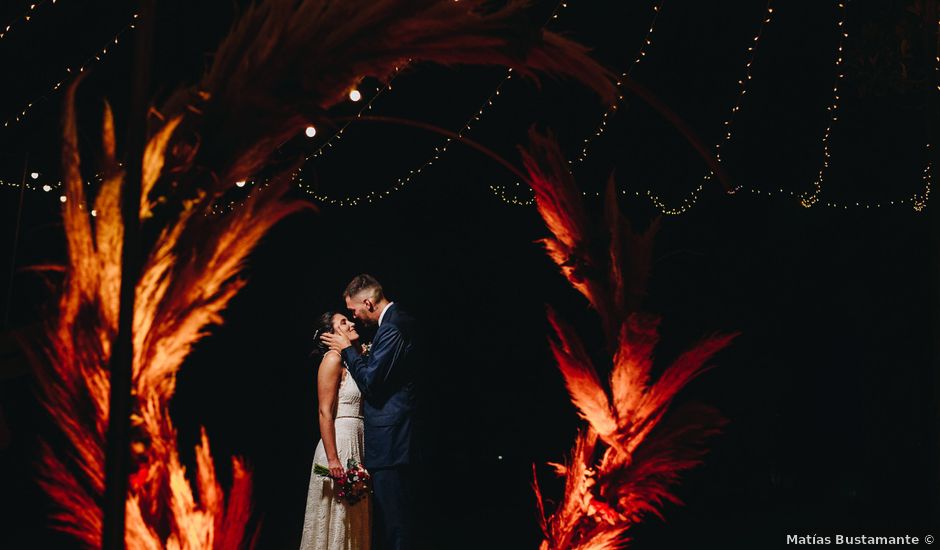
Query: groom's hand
(337, 342)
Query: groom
(386, 377)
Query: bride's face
(343, 325)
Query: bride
(330, 524)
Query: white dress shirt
(382, 315)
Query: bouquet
(352, 486)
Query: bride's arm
(328, 379)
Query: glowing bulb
(311, 131)
(94, 213)
(34, 175)
(46, 188)
(62, 198)
(241, 183)
(355, 95)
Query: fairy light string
(403, 181)
(74, 70)
(342, 130)
(690, 200)
(742, 83)
(23, 19)
(35, 182)
(811, 198)
(918, 201)
(727, 124)
(936, 67)
(641, 54)
(502, 192)
(297, 176)
(30, 185)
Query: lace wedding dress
(328, 523)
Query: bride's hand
(336, 341)
(336, 469)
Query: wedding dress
(328, 523)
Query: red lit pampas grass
(282, 66)
(625, 461)
(186, 280)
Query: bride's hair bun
(323, 325)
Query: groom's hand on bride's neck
(336, 341)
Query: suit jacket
(386, 377)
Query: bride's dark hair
(323, 325)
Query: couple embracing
(367, 399)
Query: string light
(240, 183)
(328, 144)
(354, 95)
(502, 194)
(44, 187)
(367, 107)
(403, 181)
(27, 17)
(920, 201)
(72, 71)
(689, 200)
(602, 125)
(30, 186)
(917, 201)
(808, 200)
(742, 83)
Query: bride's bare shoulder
(332, 354)
(331, 362)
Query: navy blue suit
(386, 378)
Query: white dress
(328, 523)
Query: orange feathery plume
(584, 385)
(559, 202)
(624, 465)
(178, 296)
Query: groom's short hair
(364, 282)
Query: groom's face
(362, 308)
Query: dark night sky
(830, 390)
